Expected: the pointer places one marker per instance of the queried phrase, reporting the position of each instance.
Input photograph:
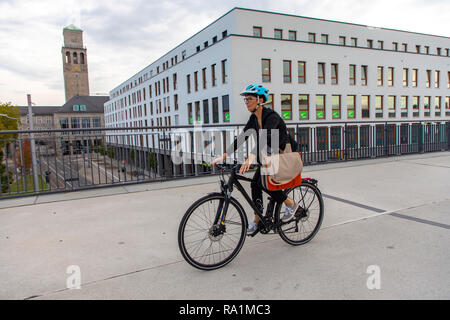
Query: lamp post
(33, 147)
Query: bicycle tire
(295, 225)
(205, 233)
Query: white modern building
(320, 74)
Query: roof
(72, 27)
(94, 104)
(39, 110)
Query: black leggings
(257, 191)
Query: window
(380, 76)
(379, 106)
(342, 41)
(426, 106)
(321, 73)
(303, 106)
(364, 75)
(183, 54)
(205, 44)
(302, 72)
(380, 44)
(175, 101)
(438, 51)
(448, 80)
(369, 43)
(257, 32)
(415, 105)
(269, 102)
(417, 48)
(198, 48)
(404, 106)
(226, 108)
(414, 77)
(188, 80)
(351, 101)
(286, 106)
(405, 77)
(334, 73)
(224, 71)
(278, 33)
(292, 35)
(75, 58)
(287, 71)
(427, 49)
(204, 77)
(405, 47)
(391, 106)
(352, 74)
(82, 58)
(67, 57)
(214, 41)
(447, 106)
(365, 106)
(205, 111)
(265, 70)
(320, 107)
(436, 78)
(64, 123)
(224, 34)
(311, 37)
(437, 106)
(353, 42)
(190, 117)
(336, 106)
(196, 80)
(428, 82)
(213, 75)
(215, 106)
(324, 38)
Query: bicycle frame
(233, 181)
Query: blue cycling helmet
(257, 89)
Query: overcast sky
(124, 36)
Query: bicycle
(214, 228)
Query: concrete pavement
(390, 215)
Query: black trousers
(257, 191)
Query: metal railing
(76, 159)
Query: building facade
(75, 65)
(80, 112)
(320, 74)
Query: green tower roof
(72, 27)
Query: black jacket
(270, 120)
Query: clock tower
(75, 68)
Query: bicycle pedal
(253, 234)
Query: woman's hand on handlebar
(219, 160)
(246, 165)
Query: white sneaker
(253, 226)
(289, 213)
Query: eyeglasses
(249, 99)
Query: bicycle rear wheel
(308, 217)
(207, 246)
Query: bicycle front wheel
(308, 217)
(207, 246)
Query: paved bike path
(391, 214)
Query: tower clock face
(76, 68)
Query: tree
(8, 121)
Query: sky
(124, 36)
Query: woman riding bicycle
(262, 118)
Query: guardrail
(76, 159)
